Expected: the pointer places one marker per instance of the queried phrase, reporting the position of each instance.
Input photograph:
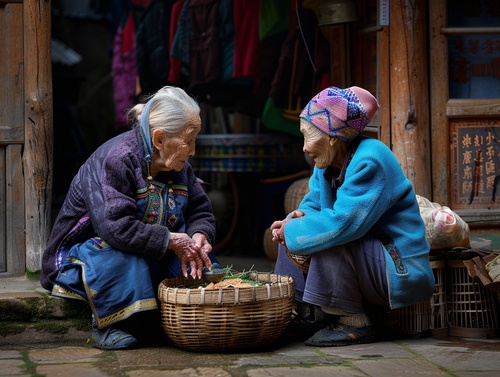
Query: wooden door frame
(442, 110)
(38, 128)
(28, 137)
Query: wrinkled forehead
(192, 127)
(310, 131)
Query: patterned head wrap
(342, 113)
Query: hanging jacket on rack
(181, 45)
(206, 46)
(124, 70)
(273, 30)
(152, 46)
(123, 61)
(246, 39)
(296, 77)
(174, 74)
(212, 52)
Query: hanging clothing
(273, 30)
(212, 44)
(152, 46)
(174, 74)
(123, 61)
(274, 18)
(181, 44)
(297, 77)
(124, 70)
(246, 39)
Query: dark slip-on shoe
(341, 335)
(112, 338)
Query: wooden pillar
(410, 139)
(440, 134)
(38, 148)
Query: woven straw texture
(295, 193)
(226, 319)
(302, 262)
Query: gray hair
(171, 109)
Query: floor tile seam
(424, 358)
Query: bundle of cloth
(443, 227)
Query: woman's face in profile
(174, 152)
(317, 145)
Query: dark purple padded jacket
(105, 188)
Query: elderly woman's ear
(158, 138)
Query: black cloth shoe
(342, 335)
(113, 338)
(147, 328)
(309, 320)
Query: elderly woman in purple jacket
(135, 214)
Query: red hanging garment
(174, 75)
(246, 39)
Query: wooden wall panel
(12, 237)
(14, 205)
(383, 84)
(38, 119)
(11, 73)
(3, 214)
(409, 91)
(438, 84)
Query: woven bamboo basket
(472, 307)
(295, 193)
(439, 304)
(424, 316)
(302, 262)
(226, 319)
(414, 319)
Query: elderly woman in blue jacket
(135, 214)
(359, 225)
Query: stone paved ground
(406, 357)
(45, 351)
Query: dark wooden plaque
(475, 163)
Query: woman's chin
(179, 167)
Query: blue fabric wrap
(144, 124)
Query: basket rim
(276, 287)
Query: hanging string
(303, 37)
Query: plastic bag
(444, 229)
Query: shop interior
(251, 81)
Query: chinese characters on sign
(384, 12)
(475, 163)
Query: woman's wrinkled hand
(191, 251)
(202, 242)
(278, 227)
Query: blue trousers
(114, 283)
(345, 277)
